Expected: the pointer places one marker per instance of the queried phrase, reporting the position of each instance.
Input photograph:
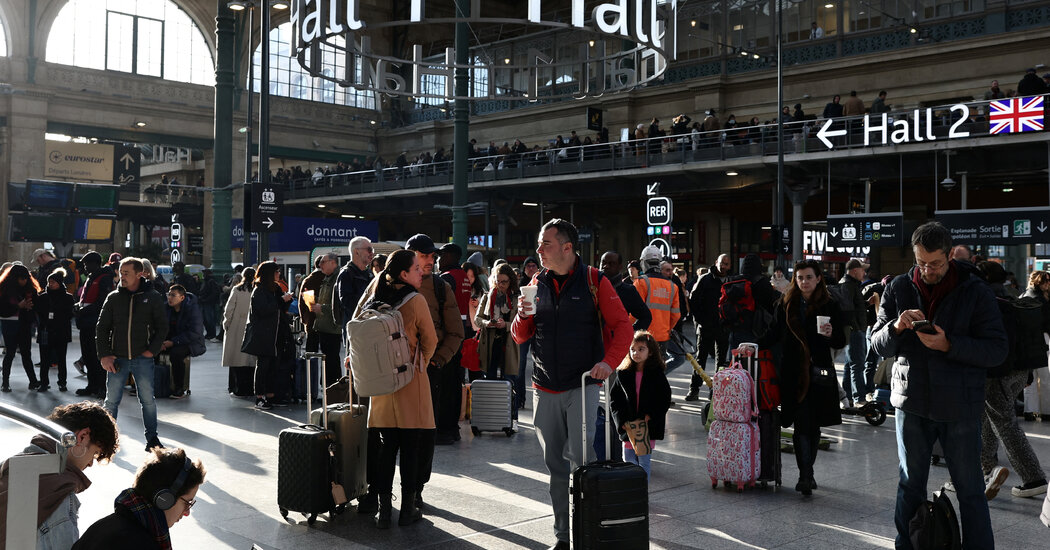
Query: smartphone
(924, 326)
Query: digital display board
(97, 199)
(92, 230)
(39, 227)
(48, 196)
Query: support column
(798, 199)
(462, 127)
(222, 167)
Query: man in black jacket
(711, 340)
(854, 309)
(131, 329)
(208, 299)
(354, 277)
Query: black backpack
(1023, 321)
(935, 525)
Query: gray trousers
(1000, 423)
(557, 419)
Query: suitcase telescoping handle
(309, 385)
(608, 416)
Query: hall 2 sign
(883, 131)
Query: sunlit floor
(490, 491)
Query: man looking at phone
(939, 377)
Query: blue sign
(303, 234)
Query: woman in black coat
(18, 289)
(808, 385)
(263, 333)
(54, 310)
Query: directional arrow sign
(1042, 227)
(268, 222)
(267, 203)
(834, 232)
(652, 189)
(125, 164)
(997, 226)
(128, 160)
(865, 230)
(824, 133)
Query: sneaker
(62, 387)
(860, 403)
(262, 404)
(5, 388)
(43, 388)
(85, 392)
(34, 385)
(994, 480)
(177, 395)
(693, 395)
(1029, 490)
(79, 365)
(949, 486)
(845, 403)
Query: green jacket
(331, 309)
(132, 322)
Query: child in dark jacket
(641, 392)
(54, 309)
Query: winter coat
(655, 400)
(310, 282)
(856, 318)
(189, 329)
(117, 531)
(410, 407)
(796, 368)
(703, 300)
(262, 333)
(54, 309)
(350, 285)
(233, 323)
(486, 323)
(942, 386)
(132, 322)
(91, 296)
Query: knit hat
(91, 256)
(477, 259)
(752, 266)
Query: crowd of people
(466, 321)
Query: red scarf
(933, 294)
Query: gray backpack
(381, 361)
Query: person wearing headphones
(164, 491)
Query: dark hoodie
(132, 322)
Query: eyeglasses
(932, 266)
(189, 503)
(502, 281)
(368, 249)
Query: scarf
(932, 295)
(492, 304)
(150, 517)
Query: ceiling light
(914, 30)
(348, 216)
(738, 27)
(279, 5)
(732, 173)
(506, 60)
(756, 56)
(238, 5)
(242, 129)
(529, 204)
(1008, 189)
(829, 5)
(140, 123)
(320, 206)
(692, 23)
(372, 122)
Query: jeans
(961, 441)
(557, 419)
(59, 531)
(644, 461)
(208, 315)
(519, 382)
(141, 368)
(853, 373)
(709, 343)
(871, 364)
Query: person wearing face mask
(808, 324)
(54, 310)
(97, 439)
(164, 491)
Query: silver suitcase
(490, 402)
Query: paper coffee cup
(822, 320)
(529, 294)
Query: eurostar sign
(618, 45)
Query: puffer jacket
(263, 334)
(132, 322)
(189, 329)
(942, 386)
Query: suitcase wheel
(874, 415)
(508, 431)
(714, 485)
(740, 487)
(763, 484)
(474, 430)
(284, 513)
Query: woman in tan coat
(497, 350)
(405, 418)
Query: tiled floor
(491, 491)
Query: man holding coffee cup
(939, 377)
(576, 330)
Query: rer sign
(658, 211)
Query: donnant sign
(616, 45)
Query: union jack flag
(1020, 114)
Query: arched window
(146, 37)
(3, 40)
(289, 79)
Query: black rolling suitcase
(306, 468)
(349, 422)
(610, 501)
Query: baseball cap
(421, 243)
(38, 252)
(115, 257)
(856, 263)
(91, 256)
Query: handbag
(470, 358)
(822, 376)
(638, 433)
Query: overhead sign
(267, 201)
(176, 239)
(997, 226)
(815, 242)
(850, 230)
(780, 239)
(664, 246)
(93, 162)
(881, 130)
(302, 234)
(658, 211)
(594, 119)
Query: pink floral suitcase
(733, 453)
(733, 395)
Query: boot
(368, 504)
(419, 500)
(383, 519)
(409, 513)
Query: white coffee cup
(529, 295)
(822, 320)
